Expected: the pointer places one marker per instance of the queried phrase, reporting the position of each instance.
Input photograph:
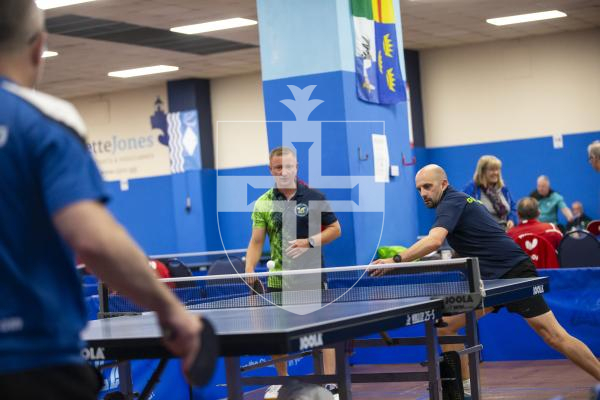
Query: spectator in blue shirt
(550, 202)
(52, 206)
(488, 186)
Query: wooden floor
(514, 380)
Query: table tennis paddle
(594, 227)
(258, 287)
(204, 365)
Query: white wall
(124, 118)
(236, 99)
(513, 89)
(127, 114)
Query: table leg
(318, 361)
(234, 378)
(343, 372)
(473, 340)
(433, 365)
(125, 380)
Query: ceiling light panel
(214, 26)
(49, 4)
(518, 19)
(130, 73)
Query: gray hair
(594, 149)
(20, 22)
(528, 208)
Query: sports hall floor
(502, 380)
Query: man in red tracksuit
(528, 211)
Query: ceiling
(83, 63)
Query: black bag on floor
(452, 387)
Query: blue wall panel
(145, 210)
(523, 161)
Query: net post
(474, 275)
(102, 300)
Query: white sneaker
(272, 392)
(333, 388)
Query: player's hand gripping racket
(256, 284)
(204, 364)
(258, 287)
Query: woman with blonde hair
(488, 186)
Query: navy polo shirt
(273, 212)
(307, 200)
(44, 167)
(473, 232)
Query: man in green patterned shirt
(288, 204)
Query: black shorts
(52, 383)
(531, 307)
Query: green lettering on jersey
(472, 199)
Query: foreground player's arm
(426, 245)
(107, 249)
(255, 247)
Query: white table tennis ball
(270, 264)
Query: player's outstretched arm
(433, 241)
(108, 250)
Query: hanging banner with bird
(379, 78)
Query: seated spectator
(488, 186)
(580, 219)
(528, 211)
(549, 202)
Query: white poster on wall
(381, 158)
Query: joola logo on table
(465, 298)
(92, 353)
(311, 341)
(539, 289)
(420, 317)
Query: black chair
(579, 249)
(226, 266)
(178, 269)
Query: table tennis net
(324, 286)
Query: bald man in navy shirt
(472, 232)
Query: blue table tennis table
(272, 330)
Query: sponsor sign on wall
(141, 140)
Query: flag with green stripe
(379, 78)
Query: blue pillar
(310, 42)
(190, 203)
